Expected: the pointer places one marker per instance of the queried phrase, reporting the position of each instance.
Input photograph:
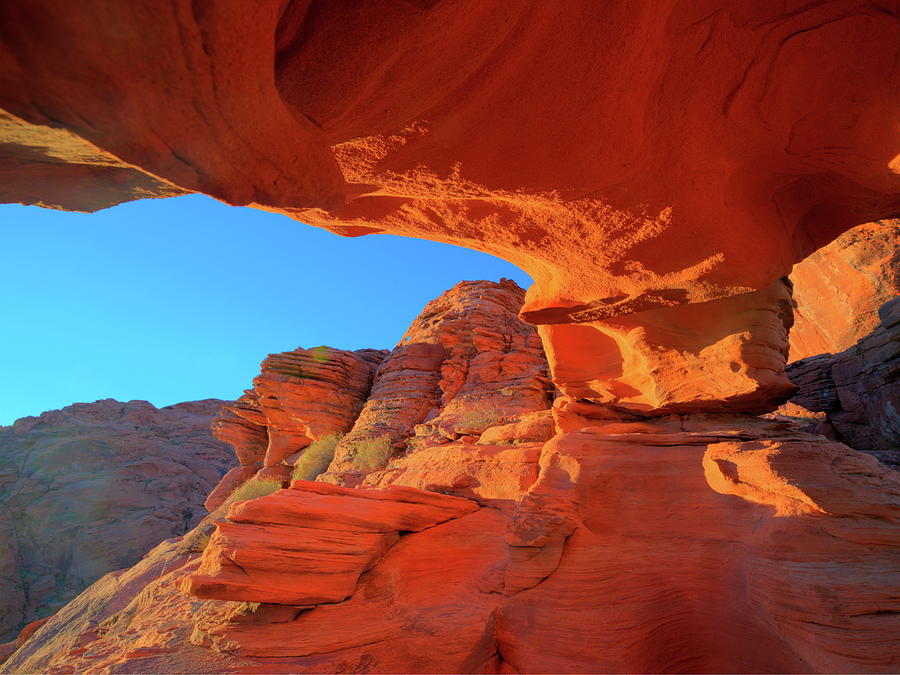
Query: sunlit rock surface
(88, 489)
(657, 168)
(792, 535)
(840, 288)
(299, 397)
(659, 153)
(846, 331)
(466, 363)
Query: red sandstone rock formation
(58, 169)
(465, 364)
(90, 488)
(713, 543)
(657, 168)
(839, 289)
(242, 425)
(308, 394)
(756, 133)
(299, 397)
(726, 354)
(326, 537)
(847, 381)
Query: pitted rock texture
(465, 364)
(859, 388)
(90, 488)
(697, 155)
(758, 130)
(839, 289)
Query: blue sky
(177, 299)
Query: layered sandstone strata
(858, 389)
(299, 397)
(844, 340)
(326, 537)
(466, 363)
(88, 489)
(623, 529)
(308, 394)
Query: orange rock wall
(465, 364)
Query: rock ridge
(89, 488)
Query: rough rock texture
(859, 388)
(465, 364)
(308, 394)
(657, 167)
(309, 545)
(242, 425)
(839, 289)
(90, 488)
(712, 543)
(663, 152)
(726, 354)
(299, 397)
(493, 474)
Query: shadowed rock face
(657, 167)
(858, 389)
(88, 489)
(846, 331)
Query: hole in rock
(179, 299)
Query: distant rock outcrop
(90, 488)
(845, 342)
